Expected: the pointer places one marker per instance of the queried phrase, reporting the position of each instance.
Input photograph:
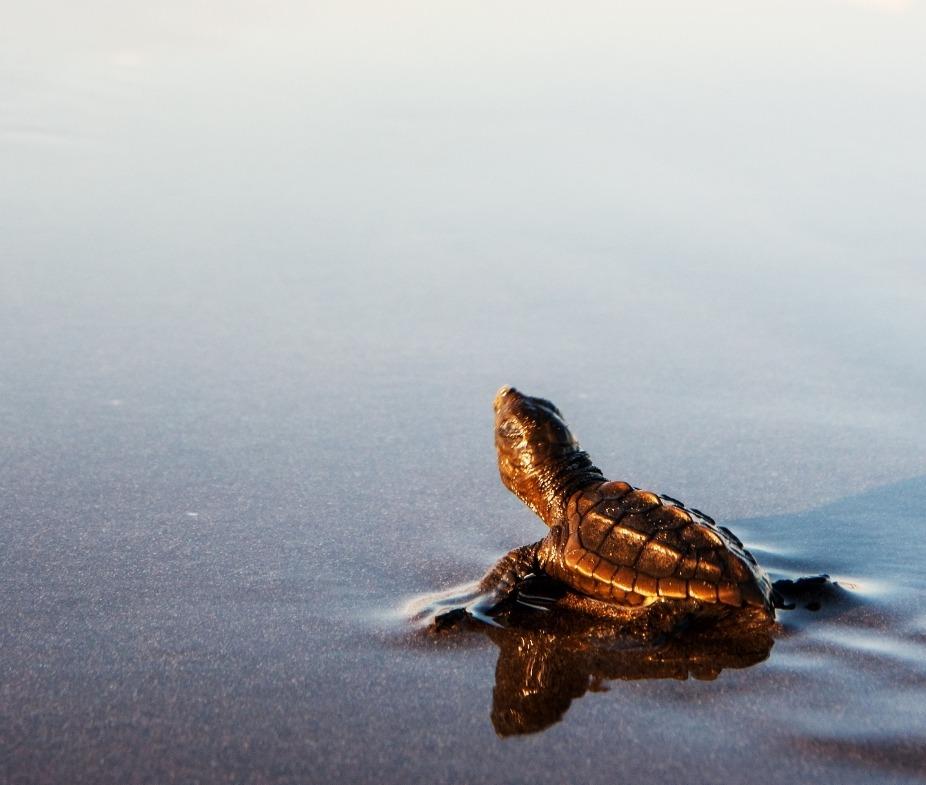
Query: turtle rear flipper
(810, 592)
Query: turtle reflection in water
(547, 660)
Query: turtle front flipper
(500, 586)
(505, 581)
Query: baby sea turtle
(609, 541)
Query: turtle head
(539, 459)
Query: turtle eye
(510, 429)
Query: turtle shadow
(548, 660)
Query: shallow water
(261, 272)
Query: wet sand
(260, 278)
